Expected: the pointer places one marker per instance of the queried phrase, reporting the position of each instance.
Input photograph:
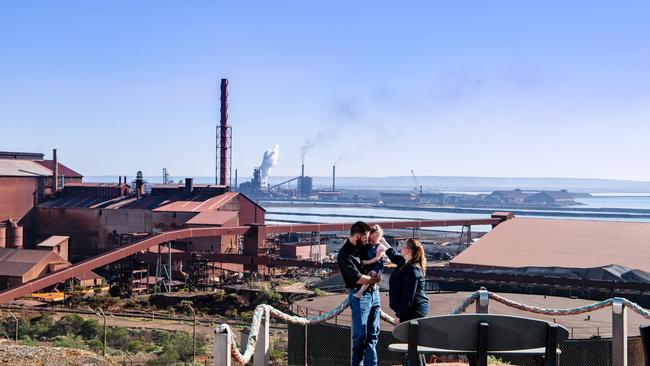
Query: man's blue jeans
(366, 313)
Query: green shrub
(319, 292)
(90, 329)
(277, 353)
(118, 338)
(95, 345)
(267, 295)
(27, 341)
(69, 342)
(135, 346)
(68, 324)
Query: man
(366, 311)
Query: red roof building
(527, 242)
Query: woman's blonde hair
(417, 254)
(377, 229)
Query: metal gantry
(164, 269)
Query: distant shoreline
(464, 185)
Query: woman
(406, 292)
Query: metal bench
(480, 335)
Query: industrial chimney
(189, 185)
(224, 140)
(302, 174)
(55, 172)
(333, 178)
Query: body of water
(350, 213)
(627, 201)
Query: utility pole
(16, 320)
(104, 343)
(193, 333)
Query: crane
(418, 187)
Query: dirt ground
(11, 354)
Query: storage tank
(14, 236)
(3, 235)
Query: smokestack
(333, 178)
(119, 179)
(55, 171)
(236, 179)
(223, 139)
(302, 174)
(189, 185)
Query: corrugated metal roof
(145, 203)
(90, 184)
(22, 168)
(21, 155)
(88, 276)
(197, 202)
(16, 262)
(212, 218)
(53, 241)
(80, 202)
(181, 202)
(524, 242)
(163, 250)
(63, 170)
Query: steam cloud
(345, 113)
(269, 160)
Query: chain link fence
(328, 344)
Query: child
(375, 254)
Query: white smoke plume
(269, 160)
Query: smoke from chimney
(269, 160)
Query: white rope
(260, 310)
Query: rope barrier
(465, 303)
(260, 310)
(545, 311)
(258, 315)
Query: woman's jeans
(366, 313)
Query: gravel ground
(11, 354)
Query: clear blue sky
(488, 88)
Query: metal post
(483, 301)
(193, 333)
(16, 320)
(306, 344)
(104, 343)
(222, 345)
(261, 356)
(169, 249)
(469, 235)
(156, 283)
(619, 333)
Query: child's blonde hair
(377, 229)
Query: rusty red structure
(224, 140)
(253, 257)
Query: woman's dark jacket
(406, 293)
